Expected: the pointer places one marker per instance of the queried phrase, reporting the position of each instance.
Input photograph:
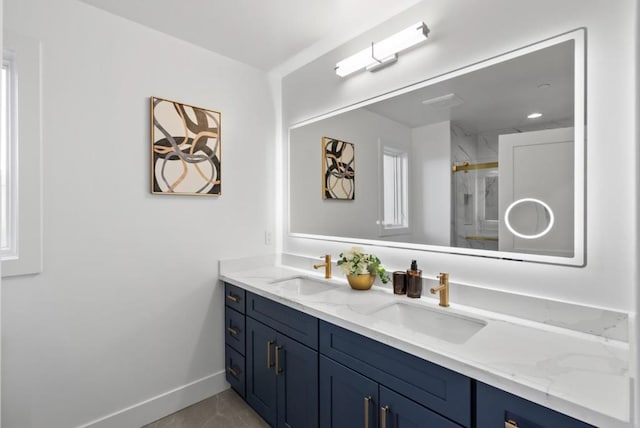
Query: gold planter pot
(361, 282)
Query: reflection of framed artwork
(338, 169)
(185, 149)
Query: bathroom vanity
(305, 351)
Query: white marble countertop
(581, 375)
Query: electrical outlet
(267, 237)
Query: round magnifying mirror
(529, 218)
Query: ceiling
(498, 97)
(263, 34)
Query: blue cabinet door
(260, 362)
(297, 382)
(397, 411)
(347, 399)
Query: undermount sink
(303, 286)
(436, 323)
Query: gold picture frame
(186, 149)
(338, 169)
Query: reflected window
(395, 165)
(8, 150)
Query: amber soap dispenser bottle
(414, 281)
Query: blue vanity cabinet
(414, 390)
(235, 337)
(497, 408)
(299, 372)
(282, 372)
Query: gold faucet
(326, 265)
(443, 288)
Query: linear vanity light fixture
(383, 53)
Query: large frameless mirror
(438, 166)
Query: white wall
(430, 167)
(635, 282)
(128, 306)
(1, 33)
(463, 33)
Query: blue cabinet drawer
(441, 390)
(234, 367)
(234, 330)
(293, 323)
(496, 408)
(234, 297)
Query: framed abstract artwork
(338, 169)
(185, 149)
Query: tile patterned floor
(225, 410)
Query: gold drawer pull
(233, 331)
(383, 416)
(233, 298)
(269, 362)
(510, 424)
(367, 400)
(233, 372)
(278, 368)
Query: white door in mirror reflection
(540, 210)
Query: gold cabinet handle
(510, 424)
(233, 331)
(233, 371)
(269, 362)
(278, 368)
(233, 298)
(383, 416)
(367, 400)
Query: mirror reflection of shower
(484, 186)
(475, 189)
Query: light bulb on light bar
(384, 52)
(354, 63)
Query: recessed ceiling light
(544, 85)
(534, 115)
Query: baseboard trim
(162, 405)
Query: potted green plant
(361, 268)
